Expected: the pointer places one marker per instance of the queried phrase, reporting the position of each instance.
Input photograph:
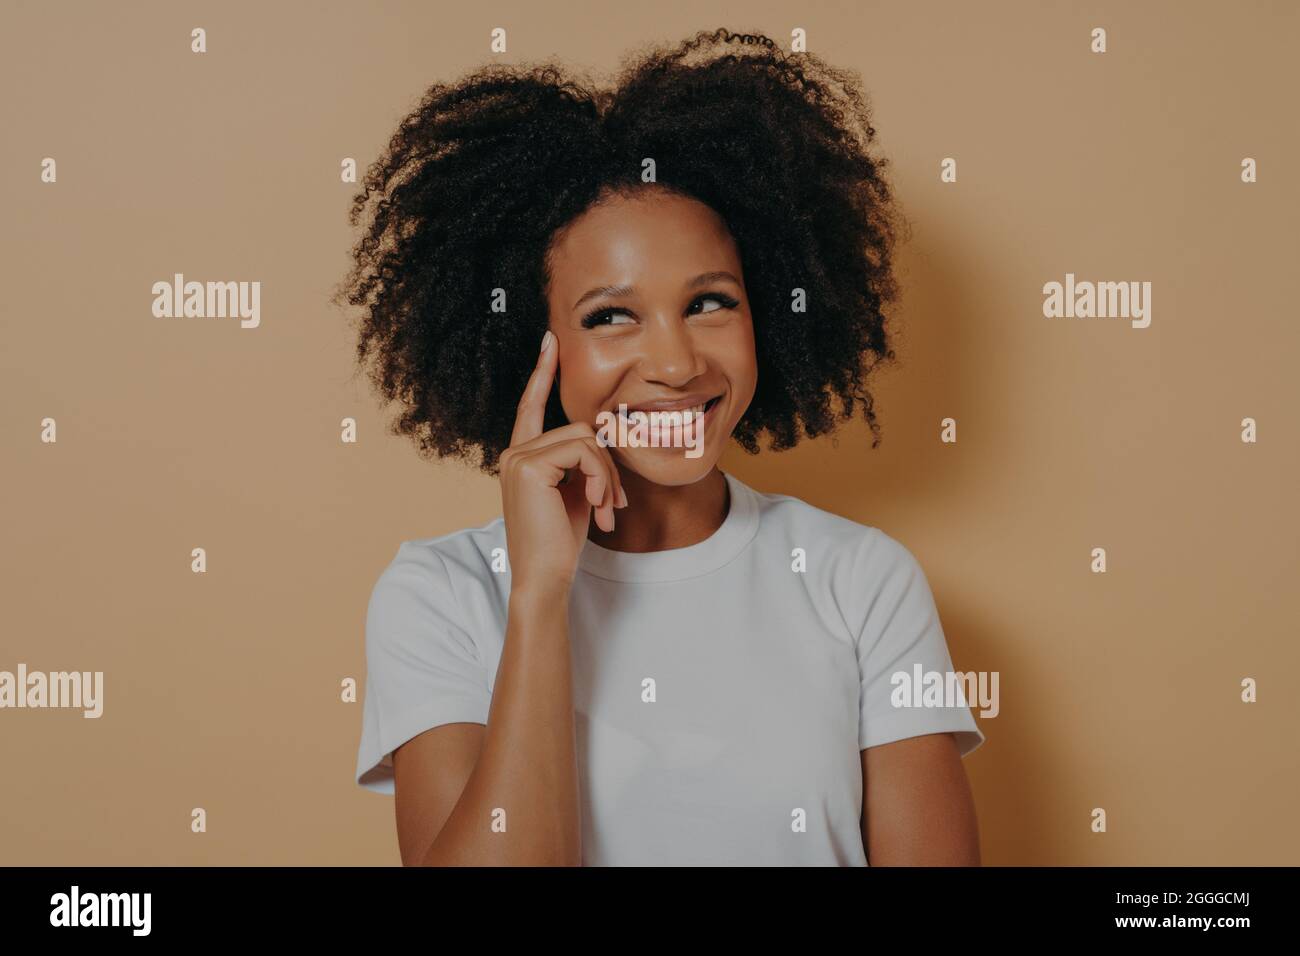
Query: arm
(917, 807)
(450, 780)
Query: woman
(644, 660)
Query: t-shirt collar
(675, 564)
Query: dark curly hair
(481, 175)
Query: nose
(669, 354)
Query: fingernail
(547, 339)
(622, 498)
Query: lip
(708, 415)
(681, 405)
(702, 422)
(675, 404)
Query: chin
(667, 466)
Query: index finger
(532, 405)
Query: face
(648, 306)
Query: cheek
(739, 361)
(583, 378)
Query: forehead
(636, 240)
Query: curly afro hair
(482, 174)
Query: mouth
(700, 415)
(700, 409)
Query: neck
(663, 517)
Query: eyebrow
(614, 291)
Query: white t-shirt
(721, 696)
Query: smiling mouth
(702, 409)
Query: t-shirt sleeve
(422, 665)
(902, 642)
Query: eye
(603, 317)
(725, 302)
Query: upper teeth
(645, 411)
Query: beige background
(222, 689)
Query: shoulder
(856, 565)
(433, 575)
(824, 531)
(453, 557)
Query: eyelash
(591, 319)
